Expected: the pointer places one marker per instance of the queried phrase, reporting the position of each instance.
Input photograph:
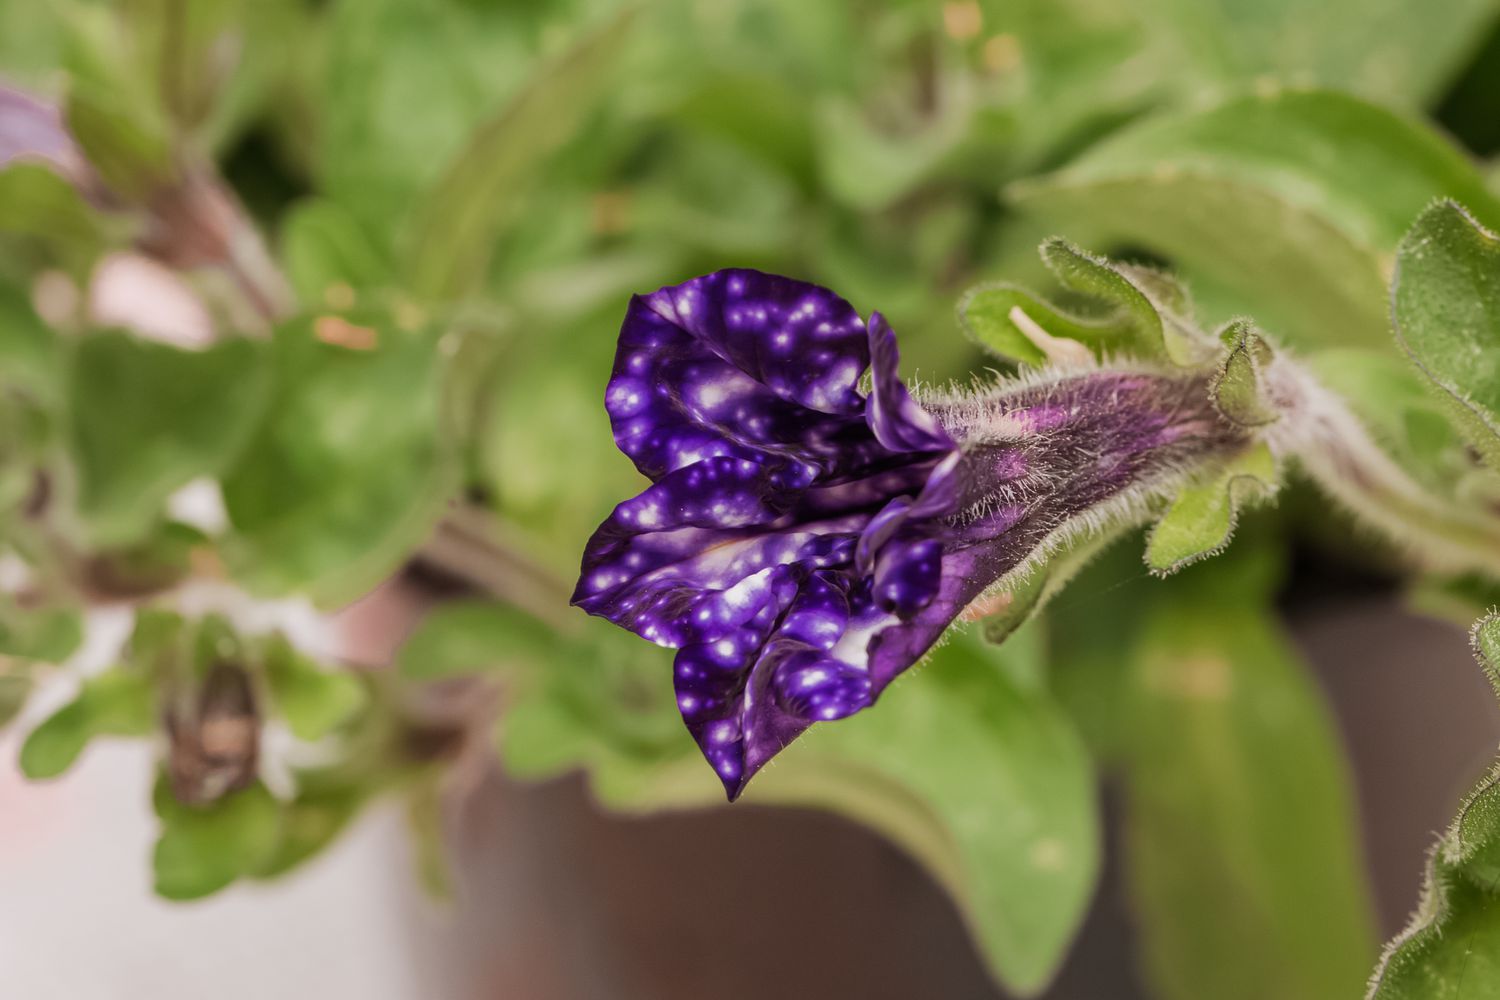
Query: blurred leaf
(424, 815)
(31, 358)
(456, 222)
(1387, 50)
(45, 208)
(323, 808)
(403, 85)
(201, 851)
(1445, 302)
(313, 701)
(47, 634)
(15, 689)
(1240, 837)
(1202, 517)
(474, 638)
(1451, 947)
(117, 703)
(147, 418)
(869, 170)
(351, 468)
(129, 149)
(1286, 204)
(323, 247)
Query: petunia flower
(803, 540)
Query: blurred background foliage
(404, 231)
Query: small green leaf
(456, 224)
(1155, 327)
(147, 418)
(352, 466)
(117, 703)
(1202, 517)
(475, 638)
(986, 316)
(313, 701)
(1240, 838)
(46, 634)
(1237, 388)
(201, 851)
(1445, 302)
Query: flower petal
(898, 422)
(742, 364)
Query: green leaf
(43, 207)
(1202, 517)
(117, 703)
(323, 247)
(1240, 837)
(322, 810)
(402, 84)
(472, 638)
(457, 222)
(352, 466)
(147, 418)
(1445, 302)
(1451, 948)
(201, 851)
(1284, 204)
(1387, 50)
(124, 141)
(15, 689)
(47, 634)
(313, 701)
(869, 169)
(1236, 388)
(1155, 328)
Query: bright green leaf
(46, 634)
(117, 703)
(312, 700)
(324, 247)
(1202, 517)
(201, 851)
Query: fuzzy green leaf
(1237, 389)
(1445, 301)
(1202, 517)
(474, 638)
(1451, 948)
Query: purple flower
(802, 542)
